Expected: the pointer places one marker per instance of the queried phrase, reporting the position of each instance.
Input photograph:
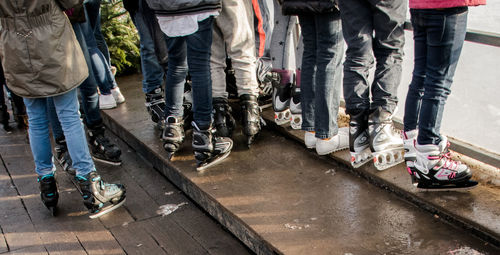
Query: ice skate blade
(296, 122)
(53, 211)
(213, 162)
(107, 209)
(109, 162)
(387, 159)
(465, 186)
(283, 117)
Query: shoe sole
(113, 163)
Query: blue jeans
(321, 72)
(193, 51)
(151, 70)
(100, 57)
(67, 111)
(360, 19)
(439, 36)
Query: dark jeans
(321, 72)
(360, 19)
(191, 51)
(152, 72)
(439, 36)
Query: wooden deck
(26, 226)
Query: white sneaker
(310, 139)
(117, 94)
(106, 102)
(336, 143)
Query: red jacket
(435, 4)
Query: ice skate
(99, 197)
(335, 143)
(48, 192)
(101, 148)
(251, 117)
(4, 118)
(223, 120)
(63, 157)
(385, 142)
(209, 150)
(295, 107)
(155, 104)
(282, 96)
(437, 172)
(173, 135)
(187, 105)
(409, 141)
(359, 141)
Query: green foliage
(121, 36)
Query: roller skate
(48, 192)
(409, 141)
(223, 120)
(385, 142)
(63, 157)
(265, 80)
(173, 135)
(155, 104)
(209, 150)
(359, 140)
(4, 118)
(282, 96)
(437, 172)
(99, 197)
(295, 107)
(101, 147)
(335, 143)
(251, 117)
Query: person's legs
(218, 61)
(388, 22)
(445, 37)
(176, 75)
(307, 78)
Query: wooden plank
(134, 239)
(171, 237)
(3, 243)
(29, 250)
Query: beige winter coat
(39, 51)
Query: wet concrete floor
(299, 203)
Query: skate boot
(385, 142)
(437, 172)
(187, 105)
(409, 141)
(251, 117)
(282, 96)
(335, 143)
(359, 141)
(223, 120)
(4, 118)
(155, 104)
(173, 135)
(63, 157)
(208, 149)
(48, 192)
(99, 197)
(265, 80)
(101, 147)
(295, 107)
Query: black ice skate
(99, 197)
(63, 157)
(385, 142)
(409, 141)
(437, 172)
(4, 118)
(359, 141)
(101, 147)
(295, 106)
(251, 117)
(209, 150)
(48, 192)
(223, 120)
(155, 104)
(173, 135)
(282, 94)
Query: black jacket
(297, 7)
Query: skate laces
(447, 162)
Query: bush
(121, 36)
